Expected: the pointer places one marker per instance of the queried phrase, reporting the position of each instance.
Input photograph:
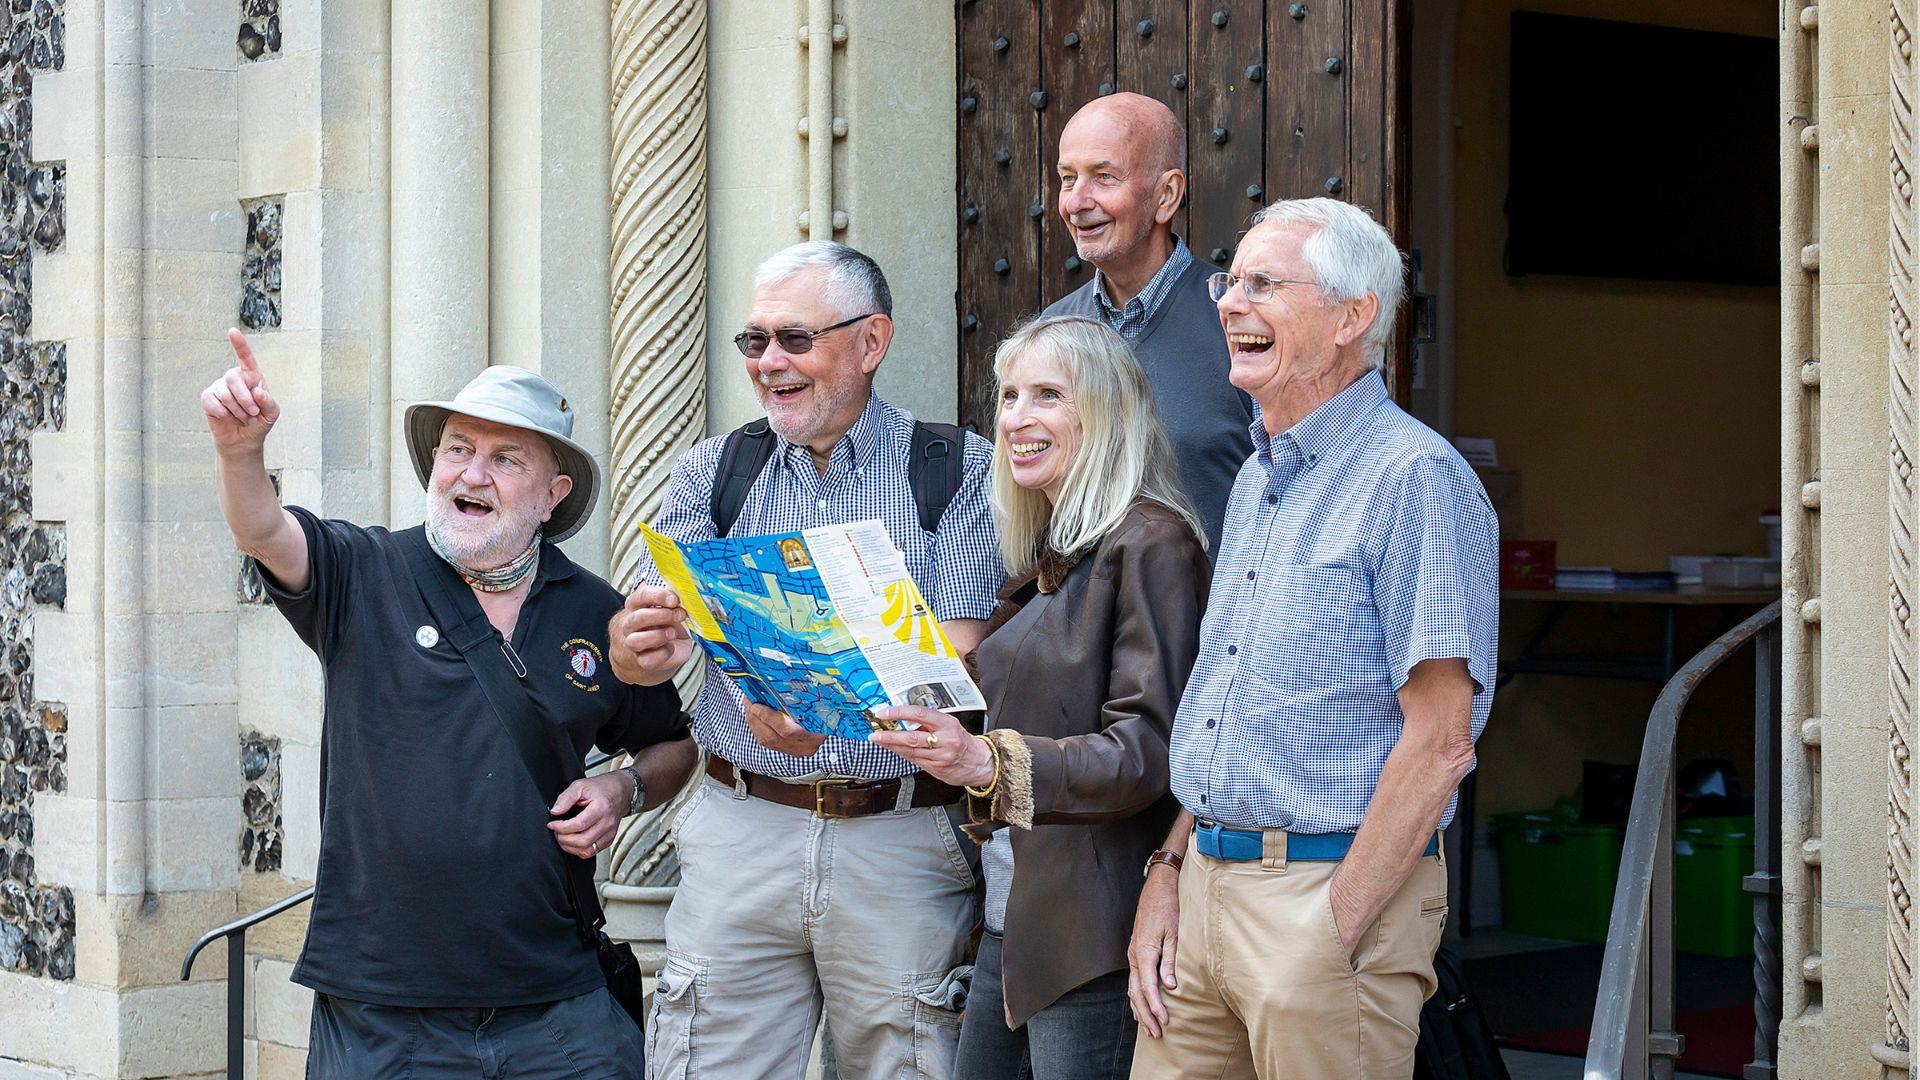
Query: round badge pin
(427, 636)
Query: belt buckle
(820, 795)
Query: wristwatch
(639, 791)
(1163, 857)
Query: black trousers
(581, 1038)
(1086, 1035)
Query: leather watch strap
(1163, 857)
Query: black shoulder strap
(746, 452)
(934, 474)
(939, 456)
(485, 651)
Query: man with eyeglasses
(816, 873)
(1123, 176)
(1287, 927)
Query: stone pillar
(894, 86)
(549, 222)
(440, 131)
(889, 85)
(1899, 1019)
(1838, 699)
(658, 313)
(136, 242)
(659, 264)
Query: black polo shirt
(439, 883)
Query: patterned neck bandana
(498, 579)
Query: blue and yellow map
(762, 612)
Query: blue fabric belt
(1247, 845)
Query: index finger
(646, 596)
(242, 351)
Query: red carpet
(1719, 1041)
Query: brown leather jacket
(1081, 682)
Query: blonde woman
(1083, 665)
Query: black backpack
(1456, 1042)
(939, 452)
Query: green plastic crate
(1556, 876)
(1711, 912)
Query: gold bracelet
(986, 792)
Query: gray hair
(855, 285)
(1351, 255)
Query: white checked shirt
(958, 568)
(1357, 544)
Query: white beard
(486, 544)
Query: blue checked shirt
(1130, 321)
(1357, 544)
(958, 568)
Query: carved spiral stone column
(1900, 636)
(659, 270)
(659, 310)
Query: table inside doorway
(1530, 660)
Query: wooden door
(1280, 98)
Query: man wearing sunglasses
(816, 873)
(1122, 178)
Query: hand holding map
(824, 625)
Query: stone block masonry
(36, 921)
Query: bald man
(1123, 176)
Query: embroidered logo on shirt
(583, 663)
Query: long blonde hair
(1124, 454)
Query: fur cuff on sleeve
(1013, 799)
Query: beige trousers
(781, 915)
(1265, 990)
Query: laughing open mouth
(1249, 343)
(468, 506)
(1024, 450)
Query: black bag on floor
(1456, 1043)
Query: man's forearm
(247, 498)
(664, 768)
(1414, 788)
(260, 527)
(1181, 832)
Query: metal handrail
(1627, 994)
(236, 932)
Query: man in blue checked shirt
(815, 873)
(1346, 667)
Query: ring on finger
(932, 740)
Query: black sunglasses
(793, 340)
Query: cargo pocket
(670, 1027)
(937, 1001)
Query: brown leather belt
(834, 797)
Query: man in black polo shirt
(442, 941)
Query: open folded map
(823, 625)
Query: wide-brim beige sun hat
(516, 397)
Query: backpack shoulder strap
(934, 474)
(745, 454)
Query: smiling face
(813, 398)
(1039, 423)
(1291, 348)
(492, 485)
(1110, 175)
